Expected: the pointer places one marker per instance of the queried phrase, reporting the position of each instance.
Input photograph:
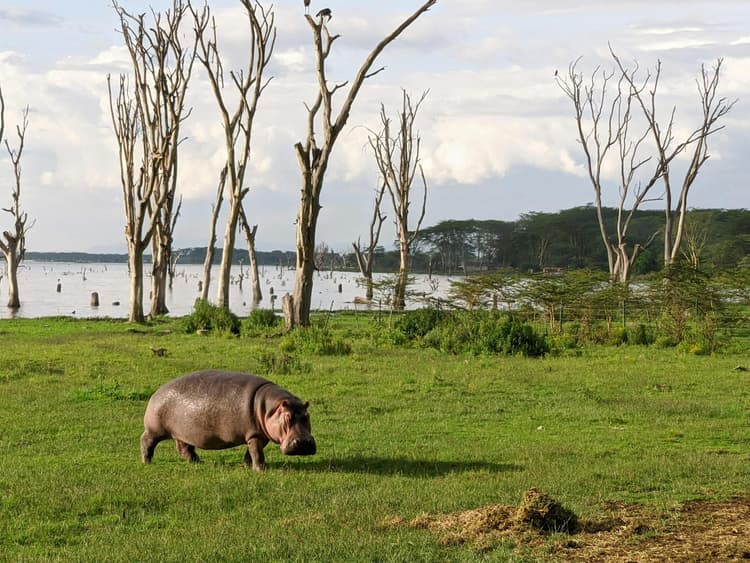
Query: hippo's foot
(186, 451)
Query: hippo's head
(289, 426)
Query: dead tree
(238, 124)
(366, 257)
(713, 109)
(162, 67)
(250, 233)
(398, 159)
(13, 242)
(137, 188)
(603, 109)
(313, 159)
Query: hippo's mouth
(299, 446)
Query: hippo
(214, 410)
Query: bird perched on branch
(324, 13)
(307, 6)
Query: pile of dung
(538, 513)
(541, 512)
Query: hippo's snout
(299, 446)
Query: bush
(416, 324)
(260, 321)
(281, 364)
(641, 336)
(314, 340)
(482, 332)
(206, 316)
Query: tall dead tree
(162, 67)
(366, 256)
(13, 242)
(603, 109)
(397, 156)
(313, 158)
(713, 108)
(237, 124)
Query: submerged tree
(398, 159)
(313, 158)
(237, 126)
(13, 242)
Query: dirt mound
(539, 511)
(702, 530)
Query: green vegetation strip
(401, 431)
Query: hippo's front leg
(254, 455)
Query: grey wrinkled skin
(214, 410)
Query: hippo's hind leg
(148, 444)
(186, 451)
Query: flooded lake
(38, 284)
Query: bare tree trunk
(211, 248)
(250, 241)
(13, 242)
(313, 161)
(135, 267)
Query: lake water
(38, 283)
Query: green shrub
(261, 321)
(280, 364)
(416, 324)
(206, 316)
(641, 336)
(486, 332)
(315, 340)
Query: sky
(498, 136)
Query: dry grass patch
(701, 530)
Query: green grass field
(400, 431)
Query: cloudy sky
(498, 135)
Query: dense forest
(570, 239)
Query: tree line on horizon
(716, 239)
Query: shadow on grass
(402, 466)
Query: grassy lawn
(400, 431)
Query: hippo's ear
(306, 405)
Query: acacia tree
(13, 242)
(151, 117)
(366, 256)
(237, 125)
(713, 109)
(313, 159)
(398, 159)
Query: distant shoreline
(186, 256)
